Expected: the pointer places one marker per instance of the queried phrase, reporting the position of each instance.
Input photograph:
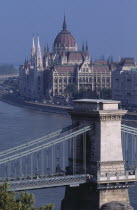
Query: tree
(71, 89)
(106, 93)
(27, 201)
(47, 207)
(82, 92)
(20, 201)
(7, 200)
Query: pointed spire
(86, 51)
(33, 51)
(47, 48)
(83, 47)
(39, 63)
(33, 43)
(64, 23)
(38, 44)
(86, 46)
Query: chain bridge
(73, 157)
(44, 162)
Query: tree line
(19, 201)
(84, 92)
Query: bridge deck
(39, 183)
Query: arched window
(90, 79)
(80, 79)
(60, 80)
(55, 80)
(98, 79)
(108, 79)
(103, 79)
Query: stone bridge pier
(103, 156)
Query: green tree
(83, 92)
(20, 201)
(106, 93)
(71, 89)
(47, 207)
(26, 200)
(7, 200)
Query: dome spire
(64, 23)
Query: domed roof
(64, 39)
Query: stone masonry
(105, 153)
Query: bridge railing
(129, 144)
(50, 154)
(119, 175)
(71, 180)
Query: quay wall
(35, 106)
(129, 119)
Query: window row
(95, 79)
(65, 80)
(85, 69)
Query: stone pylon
(104, 156)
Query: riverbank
(50, 108)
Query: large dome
(64, 40)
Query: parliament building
(48, 75)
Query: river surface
(19, 125)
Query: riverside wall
(35, 106)
(129, 119)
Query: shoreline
(36, 106)
(50, 108)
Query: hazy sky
(109, 26)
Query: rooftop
(127, 61)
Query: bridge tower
(103, 156)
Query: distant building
(124, 82)
(50, 75)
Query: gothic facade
(50, 75)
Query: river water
(19, 125)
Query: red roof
(64, 69)
(101, 68)
(75, 56)
(101, 62)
